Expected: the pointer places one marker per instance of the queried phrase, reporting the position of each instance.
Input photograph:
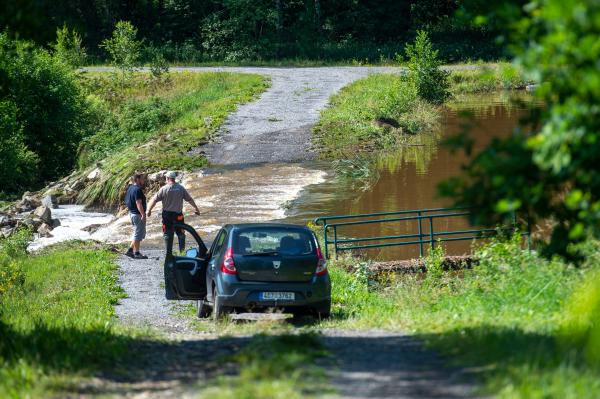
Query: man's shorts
(139, 227)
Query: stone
(93, 175)
(55, 223)
(44, 213)
(92, 228)
(28, 203)
(6, 231)
(44, 231)
(157, 177)
(76, 185)
(33, 223)
(50, 201)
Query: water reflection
(408, 178)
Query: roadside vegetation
(56, 317)
(152, 123)
(384, 112)
(529, 324)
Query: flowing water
(298, 192)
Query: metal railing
(423, 236)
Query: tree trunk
(279, 4)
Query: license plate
(277, 296)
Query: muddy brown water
(408, 179)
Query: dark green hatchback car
(253, 267)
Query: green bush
(18, 165)
(45, 114)
(68, 47)
(548, 169)
(430, 80)
(124, 49)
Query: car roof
(276, 225)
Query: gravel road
(275, 128)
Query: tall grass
(56, 317)
(375, 113)
(150, 129)
(530, 323)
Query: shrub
(430, 81)
(15, 158)
(48, 111)
(123, 48)
(68, 47)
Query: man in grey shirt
(172, 196)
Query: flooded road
(408, 179)
(299, 192)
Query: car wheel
(219, 311)
(203, 309)
(324, 311)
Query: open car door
(185, 276)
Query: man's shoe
(130, 254)
(139, 256)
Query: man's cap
(171, 174)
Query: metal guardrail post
(335, 247)
(325, 239)
(419, 214)
(431, 232)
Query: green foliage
(159, 67)
(528, 322)
(44, 115)
(375, 113)
(123, 48)
(68, 47)
(550, 173)
(58, 320)
(486, 78)
(425, 74)
(18, 164)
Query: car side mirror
(191, 253)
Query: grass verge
(151, 125)
(382, 112)
(530, 324)
(274, 366)
(56, 317)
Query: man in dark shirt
(136, 203)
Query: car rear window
(269, 239)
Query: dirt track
(275, 128)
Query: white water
(254, 194)
(73, 219)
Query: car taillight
(321, 264)
(228, 265)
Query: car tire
(323, 312)
(203, 309)
(219, 311)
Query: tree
(43, 110)
(123, 48)
(552, 173)
(68, 47)
(424, 69)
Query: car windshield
(267, 241)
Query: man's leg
(168, 232)
(180, 233)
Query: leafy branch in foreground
(551, 173)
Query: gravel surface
(145, 305)
(379, 364)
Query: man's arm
(190, 200)
(153, 202)
(140, 208)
